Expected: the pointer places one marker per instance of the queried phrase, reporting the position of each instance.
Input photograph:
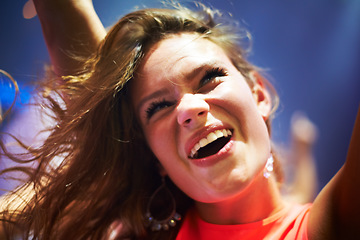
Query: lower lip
(213, 159)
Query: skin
(188, 106)
(70, 27)
(335, 211)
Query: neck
(259, 201)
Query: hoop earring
(269, 166)
(170, 221)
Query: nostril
(192, 113)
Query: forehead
(178, 57)
(179, 54)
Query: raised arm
(336, 211)
(70, 28)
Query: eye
(156, 106)
(211, 74)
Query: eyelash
(209, 76)
(156, 106)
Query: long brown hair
(107, 172)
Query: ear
(261, 95)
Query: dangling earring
(269, 166)
(170, 221)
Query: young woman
(164, 133)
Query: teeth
(225, 133)
(211, 137)
(203, 142)
(219, 134)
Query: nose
(192, 111)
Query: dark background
(311, 49)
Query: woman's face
(200, 117)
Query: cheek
(240, 103)
(236, 98)
(160, 138)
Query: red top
(288, 224)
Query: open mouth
(211, 145)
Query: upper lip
(202, 133)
